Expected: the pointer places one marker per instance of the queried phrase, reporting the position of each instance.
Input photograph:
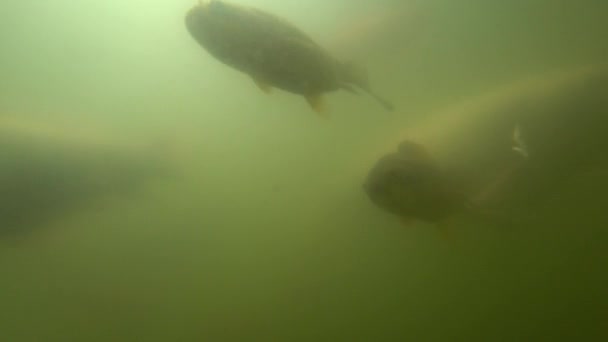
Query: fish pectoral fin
(317, 104)
(265, 87)
(519, 143)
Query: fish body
(272, 51)
(506, 150)
(47, 172)
(408, 183)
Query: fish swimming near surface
(47, 171)
(273, 52)
(505, 152)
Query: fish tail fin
(353, 73)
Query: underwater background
(264, 232)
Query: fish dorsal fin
(414, 151)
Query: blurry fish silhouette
(503, 152)
(273, 52)
(46, 171)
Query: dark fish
(273, 52)
(409, 184)
(46, 172)
(503, 154)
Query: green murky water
(264, 233)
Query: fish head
(195, 18)
(208, 16)
(409, 184)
